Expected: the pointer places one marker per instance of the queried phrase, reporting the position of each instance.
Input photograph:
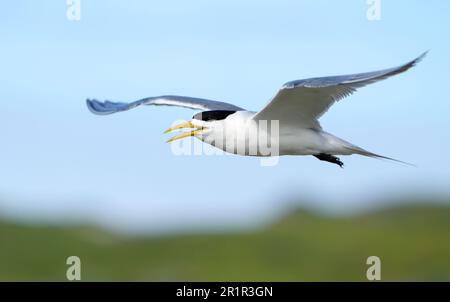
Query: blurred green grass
(412, 241)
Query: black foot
(330, 158)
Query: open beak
(185, 134)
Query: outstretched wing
(108, 107)
(302, 102)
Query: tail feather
(363, 152)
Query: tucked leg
(330, 158)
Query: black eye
(215, 115)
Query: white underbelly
(254, 143)
(239, 134)
(301, 142)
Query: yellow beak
(181, 126)
(185, 134)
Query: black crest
(213, 115)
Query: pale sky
(59, 162)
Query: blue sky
(60, 162)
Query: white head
(202, 123)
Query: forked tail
(363, 152)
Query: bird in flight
(296, 108)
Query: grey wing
(302, 102)
(108, 107)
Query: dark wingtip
(90, 105)
(94, 106)
(420, 58)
